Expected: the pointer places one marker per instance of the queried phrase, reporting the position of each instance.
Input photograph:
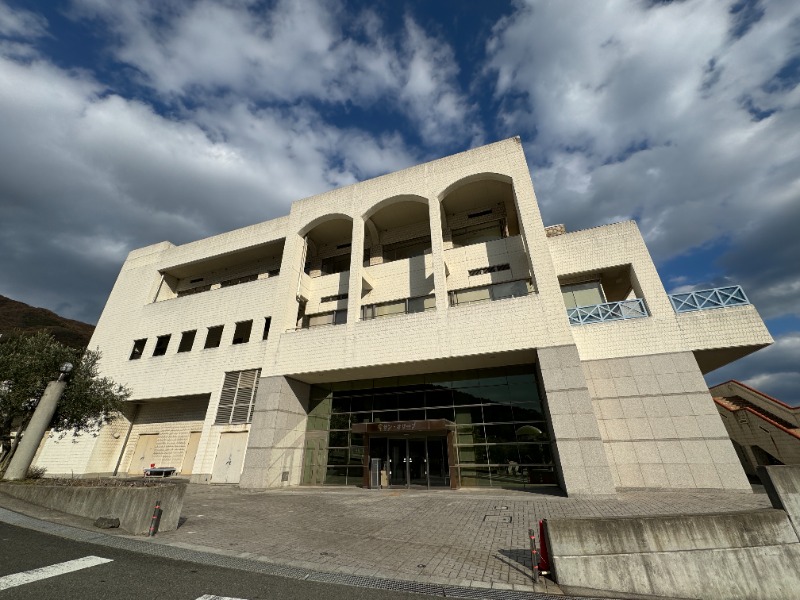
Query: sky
(124, 124)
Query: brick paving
(436, 537)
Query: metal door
(230, 457)
(144, 454)
(191, 453)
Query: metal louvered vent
(237, 397)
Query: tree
(27, 363)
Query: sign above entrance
(404, 426)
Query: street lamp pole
(40, 421)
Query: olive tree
(27, 363)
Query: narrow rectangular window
(241, 334)
(161, 345)
(138, 349)
(187, 341)
(214, 336)
(267, 322)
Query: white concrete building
(427, 319)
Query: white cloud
(309, 50)
(21, 23)
(772, 370)
(642, 112)
(86, 176)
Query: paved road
(107, 573)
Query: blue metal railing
(610, 311)
(706, 299)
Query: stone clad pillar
(275, 446)
(579, 453)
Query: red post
(544, 555)
(154, 522)
(534, 556)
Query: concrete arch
(473, 179)
(393, 200)
(308, 227)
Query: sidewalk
(471, 538)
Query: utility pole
(34, 432)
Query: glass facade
(501, 435)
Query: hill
(18, 316)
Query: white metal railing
(707, 299)
(610, 311)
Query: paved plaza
(472, 537)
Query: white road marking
(212, 597)
(24, 577)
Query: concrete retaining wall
(716, 556)
(782, 483)
(133, 506)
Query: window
(398, 307)
(238, 280)
(335, 264)
(477, 234)
(497, 291)
(333, 298)
(138, 349)
(161, 345)
(214, 336)
(187, 341)
(194, 290)
(588, 293)
(335, 317)
(241, 334)
(238, 396)
(267, 322)
(491, 269)
(407, 249)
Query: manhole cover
(497, 519)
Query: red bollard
(534, 556)
(544, 555)
(154, 522)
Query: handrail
(609, 311)
(706, 299)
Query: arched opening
(328, 247)
(479, 209)
(397, 229)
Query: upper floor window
(398, 307)
(267, 323)
(187, 340)
(241, 335)
(477, 234)
(497, 291)
(138, 349)
(161, 345)
(407, 249)
(588, 293)
(214, 336)
(334, 317)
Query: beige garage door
(230, 457)
(191, 453)
(144, 454)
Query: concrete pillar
(275, 446)
(579, 453)
(437, 253)
(35, 431)
(356, 266)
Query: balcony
(708, 299)
(608, 311)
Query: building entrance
(416, 462)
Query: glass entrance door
(409, 462)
